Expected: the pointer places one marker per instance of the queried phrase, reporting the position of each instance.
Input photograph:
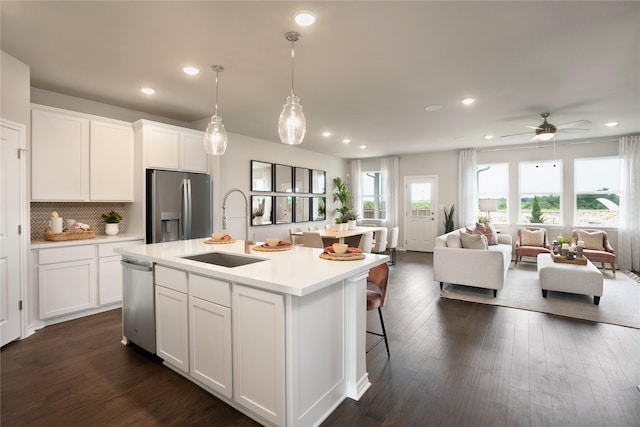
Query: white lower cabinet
(259, 352)
(172, 328)
(210, 345)
(67, 287)
(110, 279)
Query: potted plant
(111, 219)
(448, 220)
(342, 195)
(351, 217)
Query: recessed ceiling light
(362, 147)
(326, 134)
(148, 91)
(613, 124)
(488, 137)
(304, 18)
(468, 101)
(433, 107)
(346, 140)
(192, 71)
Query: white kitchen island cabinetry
(171, 147)
(79, 157)
(298, 327)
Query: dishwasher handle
(140, 267)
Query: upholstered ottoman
(576, 279)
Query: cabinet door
(111, 162)
(67, 287)
(172, 328)
(163, 147)
(110, 280)
(193, 157)
(259, 352)
(210, 344)
(59, 156)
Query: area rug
(619, 304)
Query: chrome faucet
(247, 242)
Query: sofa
(482, 268)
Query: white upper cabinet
(78, 157)
(172, 147)
(59, 156)
(111, 165)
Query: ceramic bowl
(272, 241)
(340, 248)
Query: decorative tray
(69, 235)
(219, 242)
(342, 257)
(264, 248)
(564, 260)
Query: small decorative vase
(337, 227)
(344, 226)
(111, 229)
(352, 224)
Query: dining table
(341, 235)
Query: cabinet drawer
(170, 278)
(209, 289)
(71, 253)
(106, 249)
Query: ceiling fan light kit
(292, 124)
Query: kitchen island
(281, 339)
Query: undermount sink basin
(224, 259)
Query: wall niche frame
(302, 207)
(261, 176)
(301, 180)
(283, 179)
(264, 203)
(318, 181)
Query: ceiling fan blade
(515, 134)
(570, 130)
(533, 127)
(573, 124)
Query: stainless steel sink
(224, 259)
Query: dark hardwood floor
(452, 364)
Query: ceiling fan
(546, 130)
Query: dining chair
(366, 241)
(313, 228)
(392, 244)
(312, 240)
(380, 244)
(295, 240)
(328, 227)
(376, 298)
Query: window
(493, 185)
(597, 190)
(541, 192)
(373, 203)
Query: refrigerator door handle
(186, 208)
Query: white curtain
(628, 252)
(467, 188)
(390, 188)
(356, 186)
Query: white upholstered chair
(392, 243)
(312, 240)
(380, 244)
(366, 241)
(295, 240)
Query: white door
(10, 260)
(421, 218)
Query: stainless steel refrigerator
(178, 205)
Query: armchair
(596, 247)
(530, 242)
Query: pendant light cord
(292, 58)
(216, 107)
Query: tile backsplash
(89, 213)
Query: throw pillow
(592, 240)
(531, 237)
(473, 241)
(489, 231)
(453, 240)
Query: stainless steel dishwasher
(138, 304)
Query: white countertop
(99, 239)
(298, 271)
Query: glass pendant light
(215, 138)
(292, 125)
